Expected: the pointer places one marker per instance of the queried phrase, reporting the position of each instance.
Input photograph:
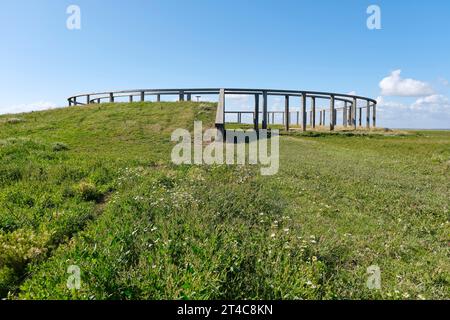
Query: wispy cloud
(414, 114)
(444, 82)
(20, 108)
(433, 103)
(382, 103)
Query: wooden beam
(265, 115)
(360, 117)
(313, 105)
(332, 113)
(374, 115)
(349, 118)
(256, 114)
(344, 115)
(220, 116)
(286, 113)
(303, 111)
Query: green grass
(94, 187)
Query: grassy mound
(94, 187)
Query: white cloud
(383, 104)
(395, 85)
(434, 108)
(37, 106)
(433, 103)
(380, 100)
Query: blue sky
(311, 45)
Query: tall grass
(94, 187)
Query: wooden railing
(351, 111)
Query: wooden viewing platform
(351, 107)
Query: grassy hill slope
(94, 187)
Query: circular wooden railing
(350, 106)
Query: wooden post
(374, 115)
(142, 96)
(265, 115)
(360, 117)
(349, 118)
(355, 102)
(88, 99)
(324, 113)
(189, 97)
(111, 97)
(158, 98)
(181, 96)
(344, 114)
(220, 117)
(304, 111)
(70, 102)
(98, 100)
(273, 117)
(131, 98)
(320, 118)
(298, 118)
(313, 103)
(368, 115)
(332, 113)
(256, 114)
(286, 112)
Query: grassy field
(94, 187)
